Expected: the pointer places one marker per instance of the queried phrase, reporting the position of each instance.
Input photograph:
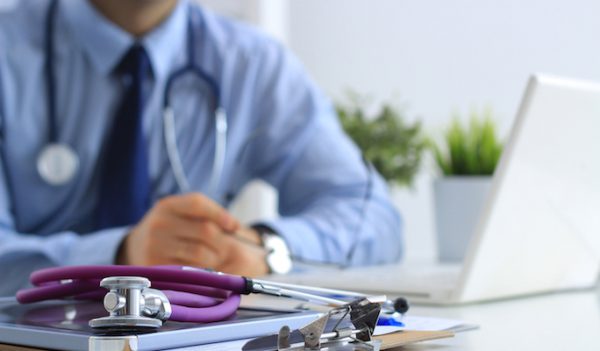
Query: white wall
(437, 56)
(270, 15)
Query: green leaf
(393, 146)
(474, 150)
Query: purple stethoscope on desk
(183, 294)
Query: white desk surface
(561, 321)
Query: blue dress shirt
(282, 129)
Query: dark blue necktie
(124, 180)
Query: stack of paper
(415, 329)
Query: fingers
(206, 245)
(174, 248)
(184, 238)
(193, 231)
(245, 257)
(195, 254)
(198, 206)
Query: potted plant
(392, 145)
(467, 159)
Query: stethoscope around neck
(58, 162)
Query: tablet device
(64, 325)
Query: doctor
(128, 126)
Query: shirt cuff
(301, 238)
(99, 248)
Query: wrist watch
(278, 258)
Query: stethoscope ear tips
(401, 305)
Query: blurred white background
(430, 57)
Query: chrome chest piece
(57, 164)
(132, 305)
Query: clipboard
(63, 325)
(407, 337)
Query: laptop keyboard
(384, 278)
(405, 278)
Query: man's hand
(193, 230)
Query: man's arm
(333, 206)
(21, 253)
(185, 229)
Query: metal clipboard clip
(348, 327)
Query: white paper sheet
(426, 323)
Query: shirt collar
(106, 43)
(166, 42)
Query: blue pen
(392, 313)
(394, 319)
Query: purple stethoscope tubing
(195, 295)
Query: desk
(565, 321)
(562, 321)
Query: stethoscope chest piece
(132, 305)
(57, 164)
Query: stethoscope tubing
(195, 295)
(49, 72)
(216, 313)
(170, 134)
(220, 120)
(172, 151)
(157, 273)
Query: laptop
(539, 230)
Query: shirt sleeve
(21, 253)
(334, 207)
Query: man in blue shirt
(102, 66)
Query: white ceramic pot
(458, 204)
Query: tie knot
(134, 63)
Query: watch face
(278, 259)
